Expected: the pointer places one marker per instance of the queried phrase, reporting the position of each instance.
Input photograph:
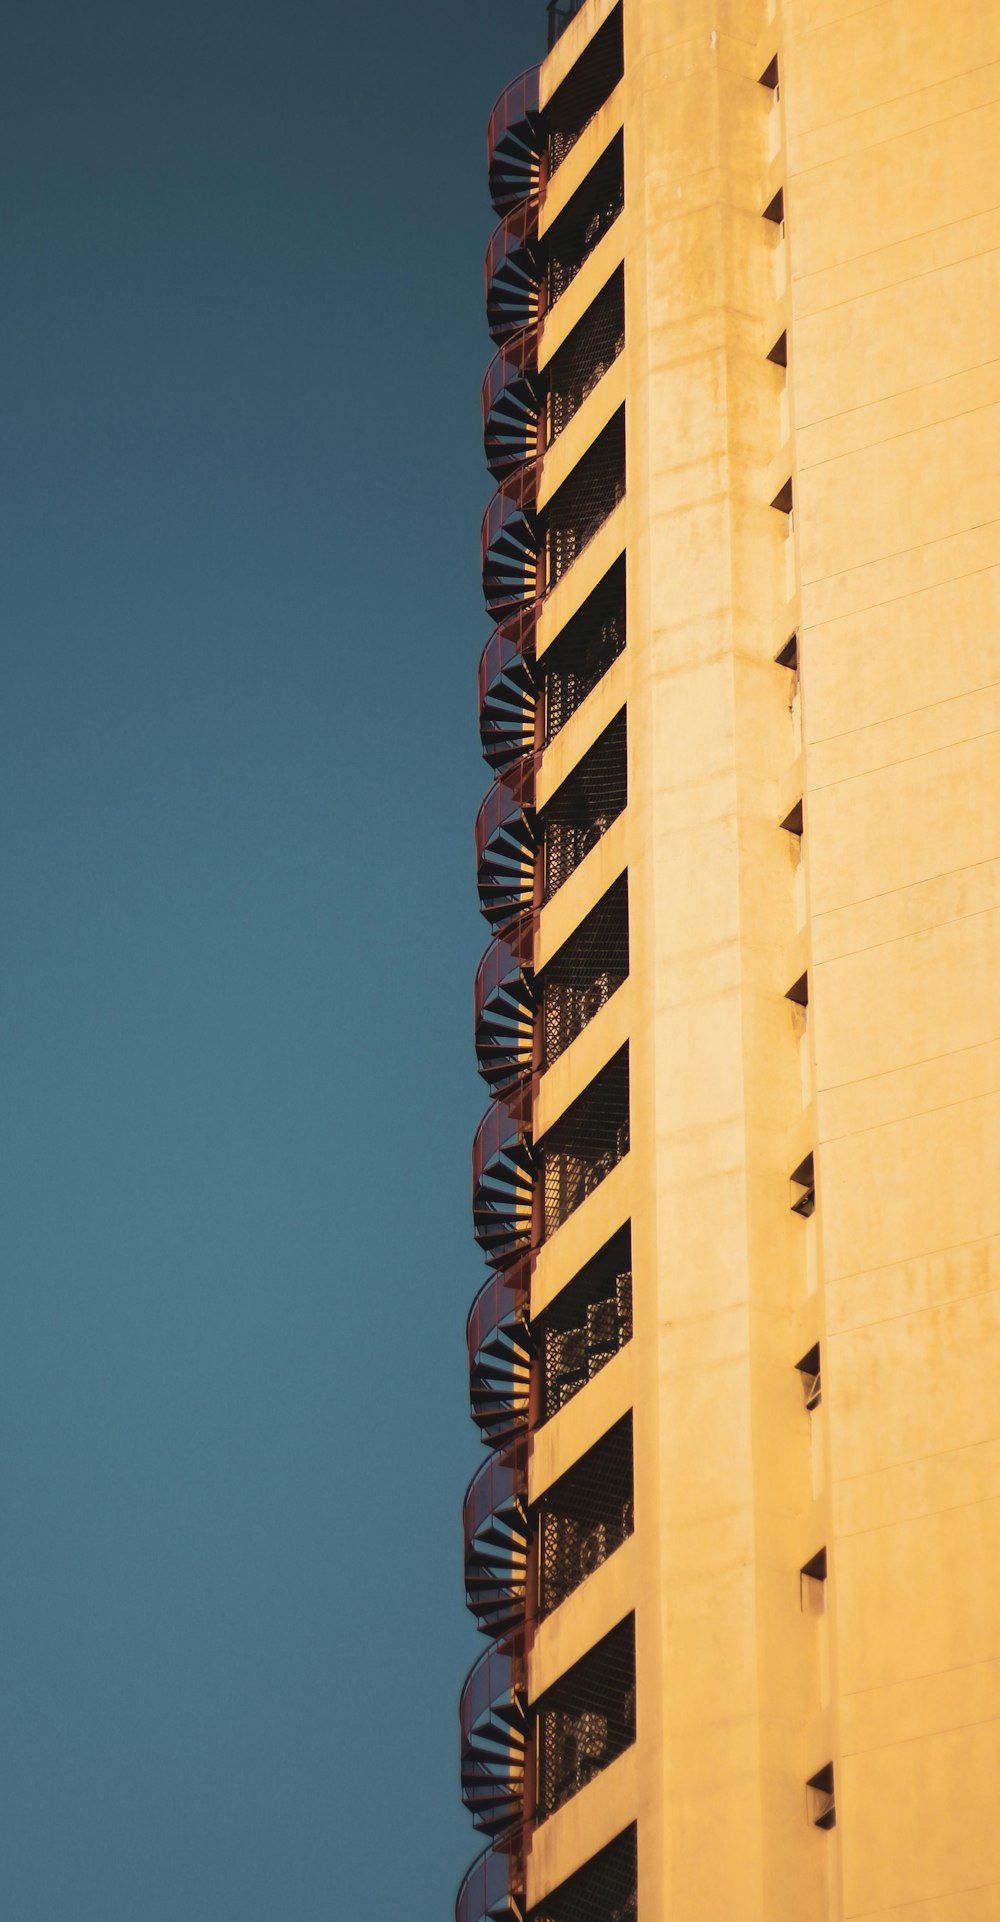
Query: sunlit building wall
(735, 1541)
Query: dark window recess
(779, 352)
(775, 209)
(585, 1516)
(592, 210)
(586, 1143)
(769, 77)
(585, 806)
(588, 352)
(587, 1718)
(799, 991)
(584, 973)
(561, 12)
(582, 653)
(812, 1380)
(812, 1584)
(783, 498)
(788, 656)
(822, 1802)
(804, 1188)
(586, 1325)
(585, 499)
(604, 1890)
(793, 822)
(586, 87)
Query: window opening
(812, 1584)
(587, 1719)
(812, 1383)
(585, 1144)
(591, 212)
(799, 991)
(587, 1324)
(586, 498)
(788, 656)
(585, 1516)
(585, 356)
(589, 83)
(582, 653)
(822, 1803)
(804, 1188)
(604, 1890)
(585, 806)
(584, 973)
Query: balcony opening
(803, 1184)
(585, 1144)
(604, 1890)
(582, 653)
(793, 822)
(591, 212)
(586, 498)
(812, 1380)
(799, 991)
(585, 356)
(769, 77)
(584, 973)
(775, 209)
(587, 1719)
(585, 1516)
(586, 805)
(821, 1800)
(788, 656)
(586, 1325)
(779, 352)
(812, 1584)
(783, 498)
(589, 83)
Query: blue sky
(243, 338)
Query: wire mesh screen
(585, 972)
(586, 1325)
(585, 357)
(585, 1516)
(604, 1890)
(583, 502)
(585, 1143)
(582, 653)
(586, 87)
(587, 1718)
(585, 806)
(591, 212)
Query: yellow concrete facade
(880, 128)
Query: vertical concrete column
(722, 1441)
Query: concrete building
(736, 1542)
